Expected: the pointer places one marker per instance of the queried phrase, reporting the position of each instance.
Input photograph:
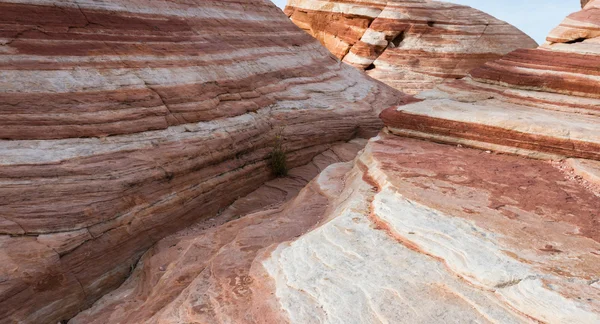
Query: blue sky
(534, 17)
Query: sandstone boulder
(410, 45)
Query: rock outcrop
(410, 45)
(110, 146)
(202, 274)
(412, 232)
(540, 102)
(125, 121)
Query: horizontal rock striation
(122, 122)
(126, 67)
(203, 273)
(411, 232)
(499, 126)
(540, 102)
(410, 45)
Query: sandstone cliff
(410, 45)
(125, 121)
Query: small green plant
(278, 156)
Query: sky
(534, 17)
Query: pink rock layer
(77, 70)
(122, 122)
(409, 45)
(413, 231)
(531, 101)
(410, 232)
(181, 272)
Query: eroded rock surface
(125, 142)
(182, 276)
(410, 45)
(125, 121)
(412, 232)
(542, 102)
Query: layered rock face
(125, 121)
(203, 274)
(411, 232)
(540, 102)
(410, 45)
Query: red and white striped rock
(181, 277)
(412, 232)
(410, 45)
(542, 102)
(123, 121)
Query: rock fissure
(20, 34)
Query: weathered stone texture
(124, 121)
(410, 45)
(411, 232)
(540, 102)
(123, 142)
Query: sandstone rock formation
(410, 45)
(181, 278)
(121, 143)
(412, 232)
(540, 102)
(125, 121)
